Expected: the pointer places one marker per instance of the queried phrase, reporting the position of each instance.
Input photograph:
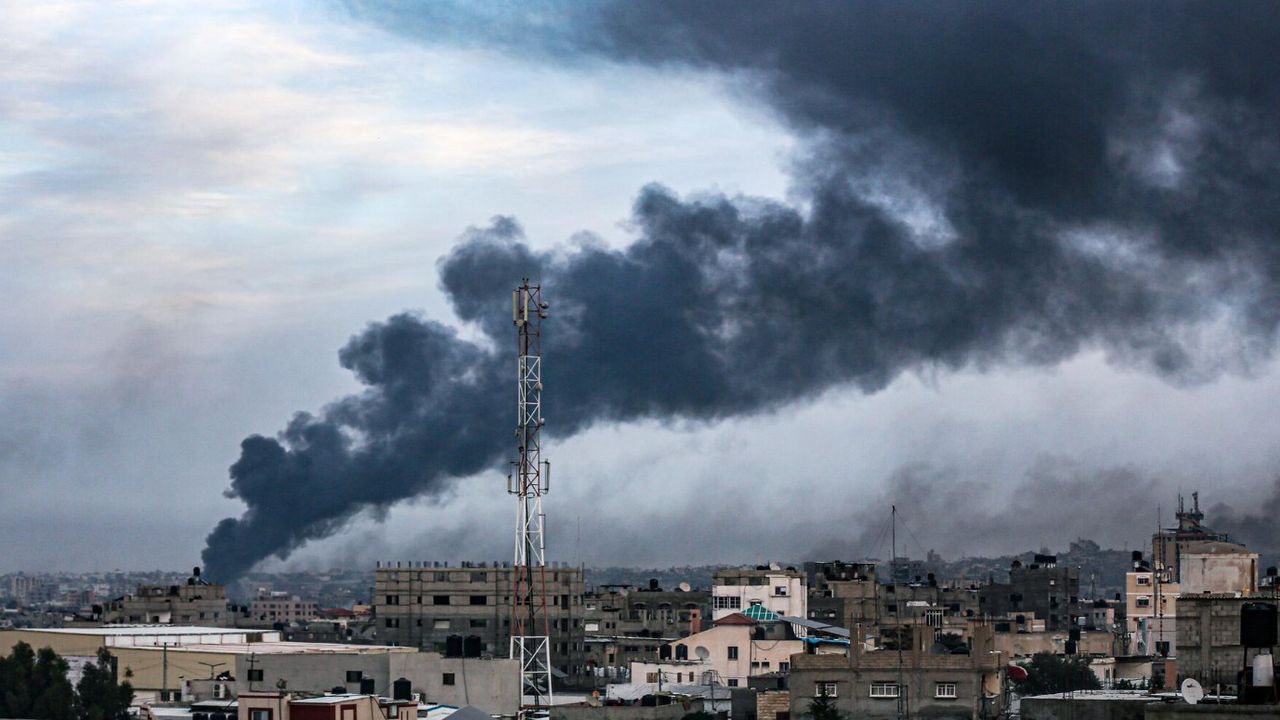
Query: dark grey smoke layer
(981, 183)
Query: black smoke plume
(981, 184)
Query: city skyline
(202, 206)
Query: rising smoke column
(981, 184)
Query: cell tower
(529, 481)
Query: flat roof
(129, 630)
(282, 648)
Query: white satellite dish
(1191, 691)
(702, 652)
(684, 587)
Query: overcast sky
(199, 206)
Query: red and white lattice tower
(529, 481)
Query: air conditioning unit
(220, 691)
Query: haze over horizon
(1016, 270)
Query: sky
(201, 206)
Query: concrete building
(1043, 588)
(776, 589)
(162, 658)
(270, 608)
(286, 706)
(1209, 634)
(623, 624)
(915, 682)
(1151, 604)
(1217, 567)
(842, 593)
(734, 649)
(423, 604)
(493, 685)
(193, 603)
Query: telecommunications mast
(529, 481)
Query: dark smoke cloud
(1259, 529)
(981, 184)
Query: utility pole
(164, 672)
(530, 627)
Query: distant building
(778, 590)
(194, 603)
(622, 624)
(270, 608)
(1043, 588)
(423, 605)
(842, 593)
(736, 648)
(1151, 603)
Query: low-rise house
(915, 681)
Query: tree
(823, 707)
(35, 685)
(15, 681)
(1048, 673)
(100, 697)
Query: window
(733, 652)
(682, 652)
(442, 624)
(933, 618)
(440, 600)
(479, 577)
(780, 590)
(651, 677)
(393, 599)
(784, 667)
(479, 623)
(479, 600)
(447, 679)
(726, 602)
(825, 687)
(1144, 579)
(592, 627)
(355, 676)
(884, 690)
(944, 690)
(255, 674)
(1144, 601)
(733, 682)
(393, 622)
(442, 577)
(260, 714)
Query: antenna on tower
(530, 480)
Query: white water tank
(1264, 674)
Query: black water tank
(401, 689)
(473, 646)
(453, 646)
(1071, 647)
(1258, 625)
(366, 686)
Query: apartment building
(195, 603)
(1043, 588)
(917, 681)
(271, 608)
(424, 604)
(779, 590)
(624, 624)
(736, 648)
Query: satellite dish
(1191, 691)
(684, 587)
(702, 652)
